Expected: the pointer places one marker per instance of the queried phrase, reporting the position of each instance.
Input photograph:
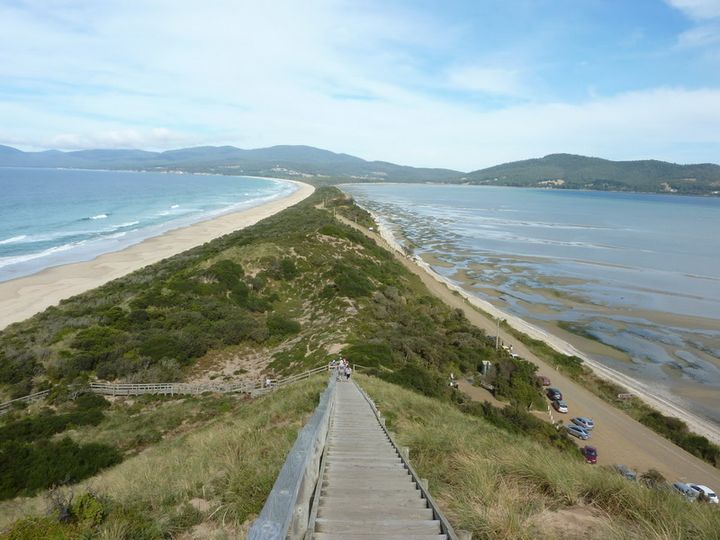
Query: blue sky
(449, 84)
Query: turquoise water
(50, 217)
(637, 272)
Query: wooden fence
(172, 389)
(37, 396)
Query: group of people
(342, 368)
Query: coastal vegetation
(215, 473)
(294, 291)
(499, 484)
(33, 458)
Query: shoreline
(25, 296)
(651, 397)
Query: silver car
(577, 431)
(584, 422)
(685, 490)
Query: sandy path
(24, 297)
(618, 437)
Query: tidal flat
(632, 282)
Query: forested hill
(301, 162)
(323, 167)
(581, 172)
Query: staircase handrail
(287, 509)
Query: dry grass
(231, 463)
(500, 485)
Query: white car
(704, 490)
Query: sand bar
(24, 297)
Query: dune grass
(216, 477)
(503, 485)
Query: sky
(457, 84)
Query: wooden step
(384, 527)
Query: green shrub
(372, 354)
(87, 509)
(419, 379)
(26, 468)
(31, 429)
(281, 326)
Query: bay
(50, 217)
(632, 280)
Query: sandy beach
(24, 297)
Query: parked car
(685, 490)
(577, 431)
(553, 394)
(543, 380)
(705, 492)
(625, 471)
(560, 406)
(590, 454)
(584, 422)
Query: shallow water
(633, 279)
(50, 216)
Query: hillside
(569, 171)
(291, 292)
(306, 162)
(322, 167)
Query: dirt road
(618, 437)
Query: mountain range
(318, 166)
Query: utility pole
(497, 334)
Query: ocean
(631, 280)
(50, 217)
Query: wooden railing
(172, 389)
(127, 389)
(5, 407)
(286, 511)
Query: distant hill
(580, 172)
(304, 162)
(318, 166)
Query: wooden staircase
(365, 491)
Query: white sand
(24, 297)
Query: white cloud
(156, 138)
(697, 9)
(164, 74)
(486, 79)
(701, 35)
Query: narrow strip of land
(24, 297)
(618, 437)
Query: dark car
(561, 407)
(543, 380)
(626, 472)
(590, 454)
(554, 394)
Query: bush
(26, 468)
(39, 427)
(281, 326)
(419, 379)
(87, 509)
(371, 354)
